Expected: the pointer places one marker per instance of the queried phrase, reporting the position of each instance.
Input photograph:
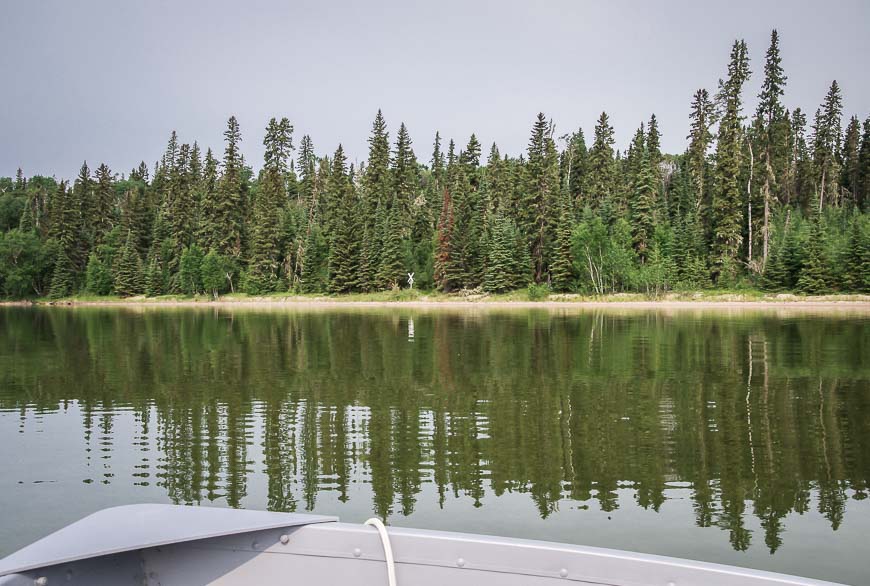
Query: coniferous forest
(775, 199)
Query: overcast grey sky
(107, 80)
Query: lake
(739, 437)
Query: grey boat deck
(169, 545)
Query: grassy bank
(522, 296)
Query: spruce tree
(576, 163)
(700, 139)
(103, 217)
(601, 175)
(862, 197)
(207, 230)
(850, 155)
(654, 149)
(128, 279)
(443, 252)
(344, 241)
(63, 278)
(562, 270)
(770, 127)
(376, 185)
(66, 231)
(226, 224)
(642, 207)
(814, 275)
(98, 277)
(393, 267)
(403, 173)
(856, 264)
(189, 270)
(727, 212)
(541, 195)
(263, 270)
(499, 257)
(436, 182)
(827, 131)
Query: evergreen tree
(225, 227)
(404, 176)
(443, 252)
(63, 279)
(700, 139)
(642, 207)
(727, 212)
(436, 183)
(851, 150)
(653, 149)
(862, 190)
(189, 270)
(103, 216)
(213, 273)
(375, 194)
(856, 264)
(128, 278)
(602, 169)
(314, 274)
(209, 219)
(499, 258)
(576, 167)
(98, 277)
(344, 245)
(263, 273)
(770, 128)
(562, 270)
(541, 193)
(65, 230)
(392, 269)
(827, 134)
(814, 276)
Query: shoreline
(857, 303)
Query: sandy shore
(851, 303)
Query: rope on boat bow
(388, 549)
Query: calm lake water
(734, 437)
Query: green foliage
(98, 276)
(537, 292)
(26, 264)
(393, 254)
(315, 274)
(855, 273)
(128, 278)
(604, 258)
(815, 277)
(215, 272)
(190, 270)
(263, 272)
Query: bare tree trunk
(766, 230)
(822, 190)
(749, 198)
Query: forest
(774, 200)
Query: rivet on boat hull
(357, 552)
(285, 539)
(460, 562)
(563, 573)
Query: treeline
(761, 200)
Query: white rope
(388, 549)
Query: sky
(107, 81)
